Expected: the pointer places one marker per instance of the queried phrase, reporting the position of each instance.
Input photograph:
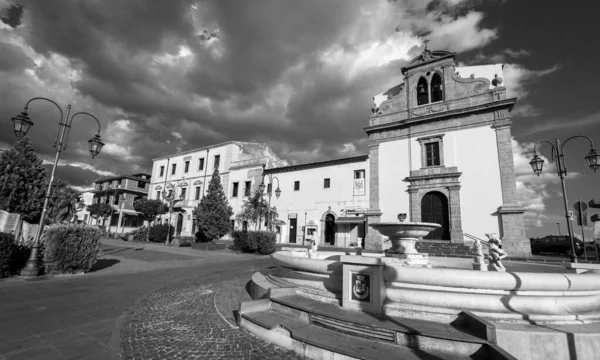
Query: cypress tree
(214, 213)
(23, 181)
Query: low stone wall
(536, 298)
(440, 294)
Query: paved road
(80, 316)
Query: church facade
(440, 151)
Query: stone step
(322, 341)
(453, 340)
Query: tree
(63, 202)
(149, 210)
(99, 211)
(254, 210)
(214, 213)
(22, 181)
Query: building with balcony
(121, 192)
(187, 175)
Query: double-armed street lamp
(22, 123)
(170, 198)
(593, 161)
(261, 188)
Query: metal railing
(483, 242)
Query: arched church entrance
(329, 229)
(434, 209)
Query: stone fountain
(332, 304)
(403, 237)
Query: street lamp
(22, 123)
(537, 163)
(261, 188)
(170, 198)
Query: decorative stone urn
(403, 237)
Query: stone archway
(329, 230)
(434, 209)
(327, 215)
(444, 180)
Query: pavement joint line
(44, 342)
(217, 308)
(86, 335)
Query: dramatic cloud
(166, 76)
(519, 80)
(559, 124)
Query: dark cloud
(11, 15)
(74, 176)
(299, 76)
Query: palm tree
(63, 203)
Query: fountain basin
(403, 236)
(527, 293)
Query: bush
(140, 234)
(7, 242)
(243, 241)
(19, 256)
(262, 242)
(70, 249)
(266, 242)
(158, 233)
(200, 237)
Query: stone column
(415, 205)
(510, 214)
(373, 239)
(456, 233)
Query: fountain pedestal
(404, 248)
(403, 237)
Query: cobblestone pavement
(181, 321)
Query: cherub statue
(479, 258)
(496, 253)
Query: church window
(432, 151)
(422, 92)
(437, 93)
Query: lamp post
(261, 188)
(170, 198)
(22, 123)
(593, 161)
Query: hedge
(140, 234)
(262, 242)
(71, 249)
(158, 233)
(7, 242)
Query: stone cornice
(507, 103)
(433, 173)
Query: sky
(165, 76)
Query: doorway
(329, 229)
(434, 209)
(179, 224)
(292, 239)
